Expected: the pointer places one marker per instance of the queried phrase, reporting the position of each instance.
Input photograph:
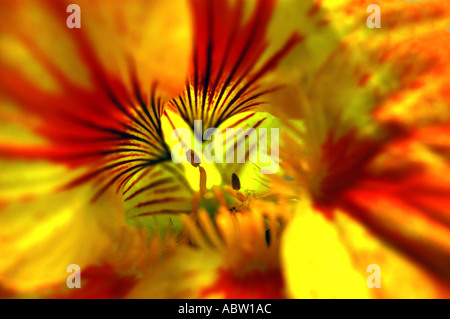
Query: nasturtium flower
(88, 177)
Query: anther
(235, 182)
(193, 158)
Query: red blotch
(315, 8)
(99, 282)
(364, 80)
(252, 285)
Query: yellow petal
(42, 237)
(316, 263)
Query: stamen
(202, 180)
